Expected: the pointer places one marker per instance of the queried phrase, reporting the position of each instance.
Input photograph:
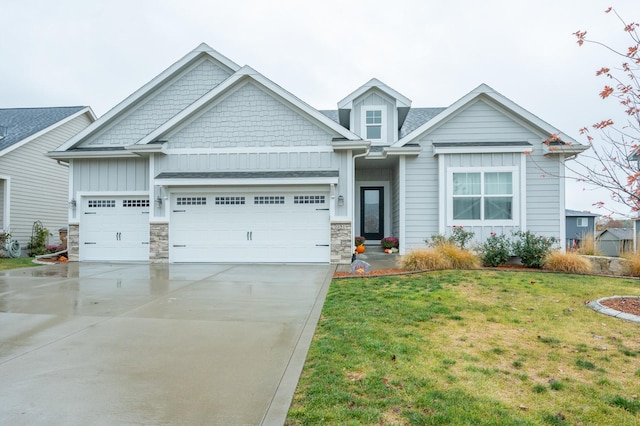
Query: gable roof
(19, 125)
(245, 73)
(578, 213)
(202, 51)
(619, 233)
(568, 146)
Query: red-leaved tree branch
(613, 160)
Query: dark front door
(372, 212)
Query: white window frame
(383, 122)
(515, 203)
(582, 222)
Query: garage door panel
(114, 228)
(244, 227)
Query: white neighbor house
(32, 186)
(213, 162)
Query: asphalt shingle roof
(17, 124)
(416, 118)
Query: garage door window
(135, 203)
(192, 201)
(270, 199)
(229, 201)
(102, 203)
(308, 199)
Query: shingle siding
(161, 105)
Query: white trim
(383, 123)
(152, 188)
(523, 193)
(400, 100)
(247, 182)
(249, 150)
(6, 207)
(561, 213)
(66, 155)
(71, 215)
(481, 149)
(386, 185)
(515, 204)
(85, 110)
(402, 197)
(442, 195)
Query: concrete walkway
(107, 344)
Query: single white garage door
(114, 228)
(265, 226)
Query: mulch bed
(623, 304)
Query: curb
(601, 309)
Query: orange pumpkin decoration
(360, 249)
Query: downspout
(353, 186)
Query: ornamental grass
(572, 263)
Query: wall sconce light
(72, 203)
(158, 201)
(340, 200)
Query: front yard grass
(18, 262)
(471, 348)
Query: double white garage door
(239, 226)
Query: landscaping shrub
(633, 264)
(572, 263)
(38, 241)
(496, 250)
(458, 236)
(531, 249)
(458, 257)
(588, 246)
(425, 260)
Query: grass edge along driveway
(471, 347)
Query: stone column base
(73, 243)
(341, 244)
(159, 243)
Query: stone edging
(598, 307)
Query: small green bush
(458, 236)
(571, 263)
(496, 250)
(38, 241)
(532, 249)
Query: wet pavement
(142, 344)
(377, 258)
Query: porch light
(72, 203)
(158, 201)
(340, 200)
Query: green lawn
(20, 262)
(471, 348)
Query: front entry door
(372, 212)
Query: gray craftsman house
(32, 186)
(213, 162)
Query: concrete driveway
(181, 344)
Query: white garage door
(114, 228)
(269, 226)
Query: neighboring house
(578, 226)
(615, 241)
(32, 186)
(213, 162)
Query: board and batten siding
(39, 185)
(482, 122)
(159, 106)
(100, 175)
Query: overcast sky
(96, 53)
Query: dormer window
(373, 123)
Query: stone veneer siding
(73, 243)
(159, 243)
(341, 245)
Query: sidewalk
(376, 257)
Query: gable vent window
(229, 201)
(96, 204)
(308, 199)
(269, 199)
(135, 203)
(373, 123)
(192, 201)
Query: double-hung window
(485, 195)
(373, 119)
(583, 222)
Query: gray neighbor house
(579, 225)
(212, 162)
(32, 186)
